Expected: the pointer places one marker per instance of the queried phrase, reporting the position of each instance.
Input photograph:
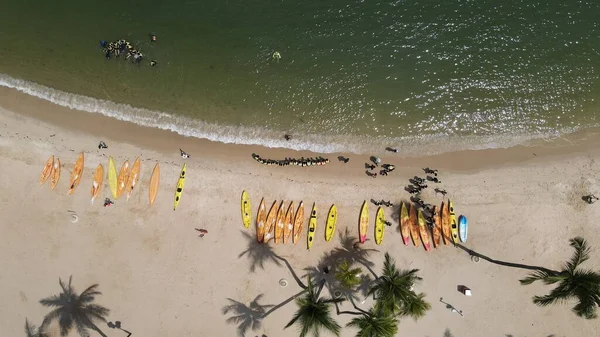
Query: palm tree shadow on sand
(349, 251)
(258, 253)
(246, 316)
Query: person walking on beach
(590, 199)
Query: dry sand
(160, 279)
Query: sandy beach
(160, 279)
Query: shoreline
(149, 261)
(428, 145)
(161, 140)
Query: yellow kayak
(112, 177)
(312, 227)
(180, 183)
(331, 221)
(246, 210)
(453, 223)
(379, 226)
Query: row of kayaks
(446, 227)
(122, 183)
(283, 224)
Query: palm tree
(33, 331)
(76, 310)
(583, 285)
(347, 276)
(314, 313)
(373, 324)
(394, 291)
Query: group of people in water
(292, 161)
(123, 47)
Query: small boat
(180, 183)
(379, 225)
(261, 219)
(47, 171)
(453, 224)
(414, 226)
(280, 222)
(363, 225)
(76, 174)
(437, 227)
(463, 228)
(312, 227)
(331, 221)
(298, 223)
(271, 223)
(446, 231)
(246, 210)
(404, 224)
(288, 225)
(55, 174)
(424, 232)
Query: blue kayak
(463, 228)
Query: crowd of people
(292, 161)
(123, 47)
(417, 185)
(385, 168)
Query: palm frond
(67, 288)
(95, 312)
(30, 329)
(580, 255)
(534, 276)
(587, 291)
(65, 322)
(416, 307)
(52, 315)
(88, 295)
(373, 324)
(82, 329)
(52, 301)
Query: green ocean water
(354, 75)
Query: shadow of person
(246, 316)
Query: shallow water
(353, 75)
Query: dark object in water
(103, 43)
(390, 149)
(152, 37)
(153, 63)
(287, 137)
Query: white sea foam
(424, 145)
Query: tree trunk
(504, 263)
(94, 327)
(283, 303)
(321, 285)
(337, 309)
(296, 278)
(356, 307)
